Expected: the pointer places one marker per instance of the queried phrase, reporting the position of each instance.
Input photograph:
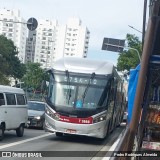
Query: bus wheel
(59, 134)
(20, 130)
(1, 132)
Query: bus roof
(83, 65)
(10, 89)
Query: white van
(13, 110)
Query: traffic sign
(114, 45)
(32, 24)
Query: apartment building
(49, 42)
(72, 39)
(30, 46)
(45, 42)
(17, 32)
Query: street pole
(134, 29)
(127, 48)
(144, 21)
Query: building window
(50, 30)
(69, 34)
(67, 49)
(10, 30)
(69, 29)
(68, 44)
(10, 25)
(10, 34)
(49, 34)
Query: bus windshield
(74, 93)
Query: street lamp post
(127, 48)
(117, 45)
(135, 29)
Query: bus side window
(112, 91)
(2, 101)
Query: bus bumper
(97, 130)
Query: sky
(103, 18)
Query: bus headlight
(99, 118)
(51, 114)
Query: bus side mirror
(43, 86)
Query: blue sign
(79, 104)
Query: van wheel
(20, 131)
(1, 132)
(58, 134)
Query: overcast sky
(103, 18)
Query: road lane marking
(24, 141)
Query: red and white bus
(84, 97)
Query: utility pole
(144, 21)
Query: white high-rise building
(54, 41)
(72, 39)
(45, 42)
(17, 32)
(30, 46)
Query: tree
(33, 77)
(129, 58)
(10, 64)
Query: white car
(125, 116)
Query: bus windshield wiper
(89, 83)
(69, 87)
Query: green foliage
(10, 64)
(33, 77)
(129, 58)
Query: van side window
(20, 99)
(2, 101)
(10, 99)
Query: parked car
(36, 114)
(125, 116)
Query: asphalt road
(66, 147)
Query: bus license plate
(70, 131)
